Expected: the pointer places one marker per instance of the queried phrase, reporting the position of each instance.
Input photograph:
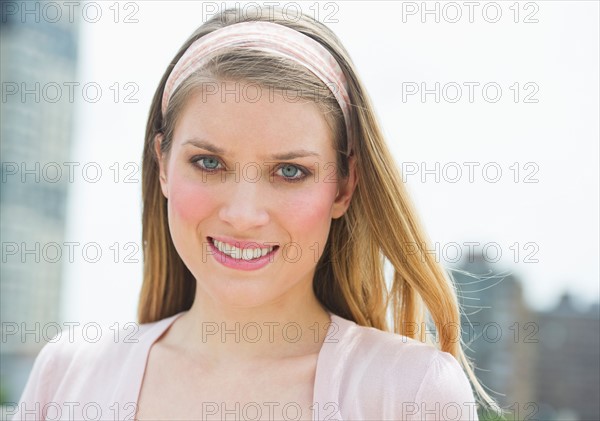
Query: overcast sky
(542, 133)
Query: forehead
(237, 114)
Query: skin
(187, 365)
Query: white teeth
(237, 253)
(247, 254)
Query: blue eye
(207, 163)
(291, 172)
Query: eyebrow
(204, 144)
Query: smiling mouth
(247, 254)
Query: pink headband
(270, 37)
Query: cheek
(189, 201)
(307, 213)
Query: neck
(282, 329)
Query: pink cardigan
(362, 374)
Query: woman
(270, 200)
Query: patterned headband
(270, 37)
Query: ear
(161, 164)
(345, 190)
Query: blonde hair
(379, 224)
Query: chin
(240, 293)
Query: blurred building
(568, 366)
(500, 332)
(538, 365)
(38, 56)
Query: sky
(512, 138)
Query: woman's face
(258, 175)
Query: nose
(244, 206)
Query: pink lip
(241, 264)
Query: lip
(241, 264)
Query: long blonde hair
(379, 224)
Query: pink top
(362, 374)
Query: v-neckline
(320, 388)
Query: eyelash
(198, 158)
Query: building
(568, 364)
(37, 56)
(500, 332)
(538, 365)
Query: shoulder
(384, 353)
(391, 376)
(377, 359)
(88, 342)
(84, 360)
(445, 391)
